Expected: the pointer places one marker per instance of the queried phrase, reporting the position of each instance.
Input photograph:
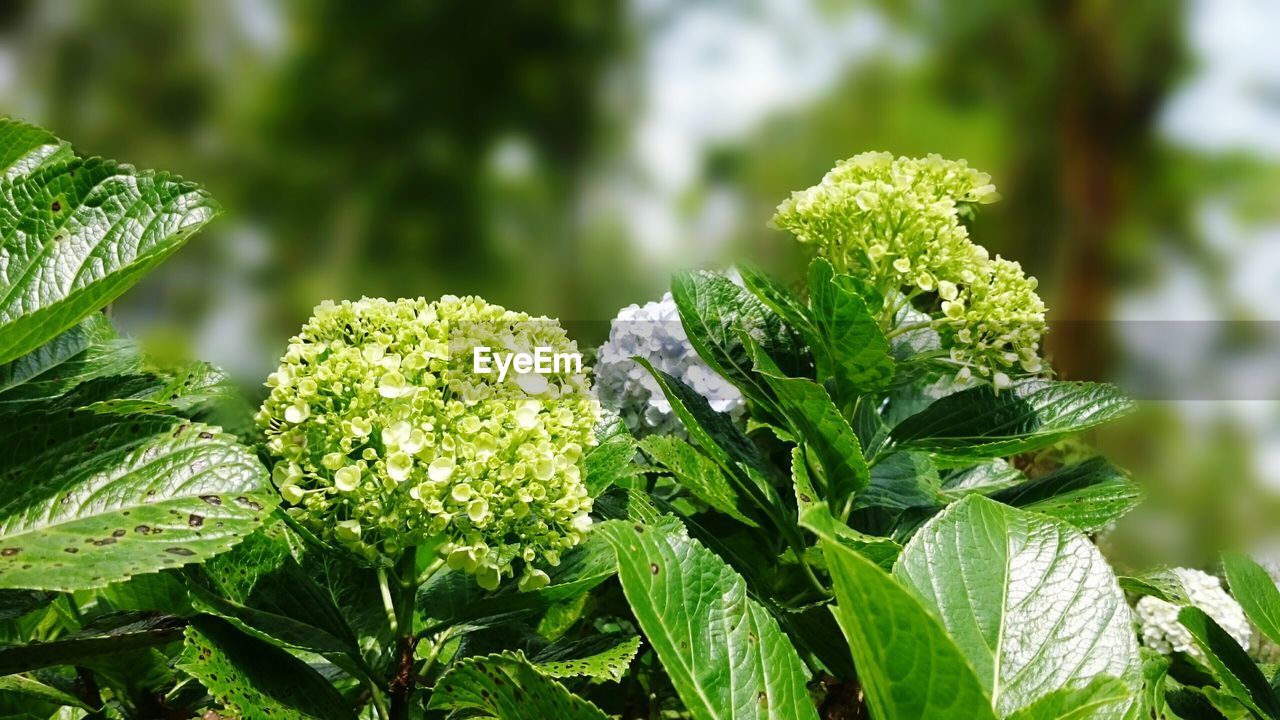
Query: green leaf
(848, 331)
(31, 689)
(257, 680)
(24, 148)
(604, 657)
(1104, 696)
(818, 423)
(901, 481)
(781, 300)
(1029, 600)
(908, 666)
(981, 423)
(452, 598)
(80, 648)
(698, 474)
(1192, 704)
(261, 589)
(16, 603)
(1155, 668)
(880, 550)
(20, 379)
(1256, 592)
(1160, 583)
(714, 311)
(1090, 495)
(507, 687)
(76, 234)
(984, 479)
(724, 652)
(610, 461)
(87, 500)
(1230, 664)
(720, 438)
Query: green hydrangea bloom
(896, 224)
(385, 437)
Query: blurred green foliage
(423, 148)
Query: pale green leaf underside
(507, 687)
(75, 234)
(698, 474)
(87, 500)
(609, 661)
(1029, 601)
(724, 653)
(908, 666)
(1104, 696)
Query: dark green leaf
(76, 234)
(87, 500)
(31, 689)
(981, 423)
(16, 603)
(720, 438)
(507, 687)
(1029, 601)
(1230, 664)
(260, 588)
(82, 647)
(900, 481)
(1090, 495)
(1191, 704)
(819, 425)
(1256, 592)
(848, 330)
(880, 550)
(714, 312)
(257, 680)
(908, 666)
(724, 652)
(451, 598)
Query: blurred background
(565, 157)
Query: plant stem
(906, 328)
(387, 605)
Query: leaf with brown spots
(508, 687)
(91, 499)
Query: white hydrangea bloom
(653, 331)
(1158, 619)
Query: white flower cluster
(653, 331)
(1158, 619)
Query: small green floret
(385, 437)
(896, 223)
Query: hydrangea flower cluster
(653, 331)
(1158, 619)
(385, 437)
(896, 223)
